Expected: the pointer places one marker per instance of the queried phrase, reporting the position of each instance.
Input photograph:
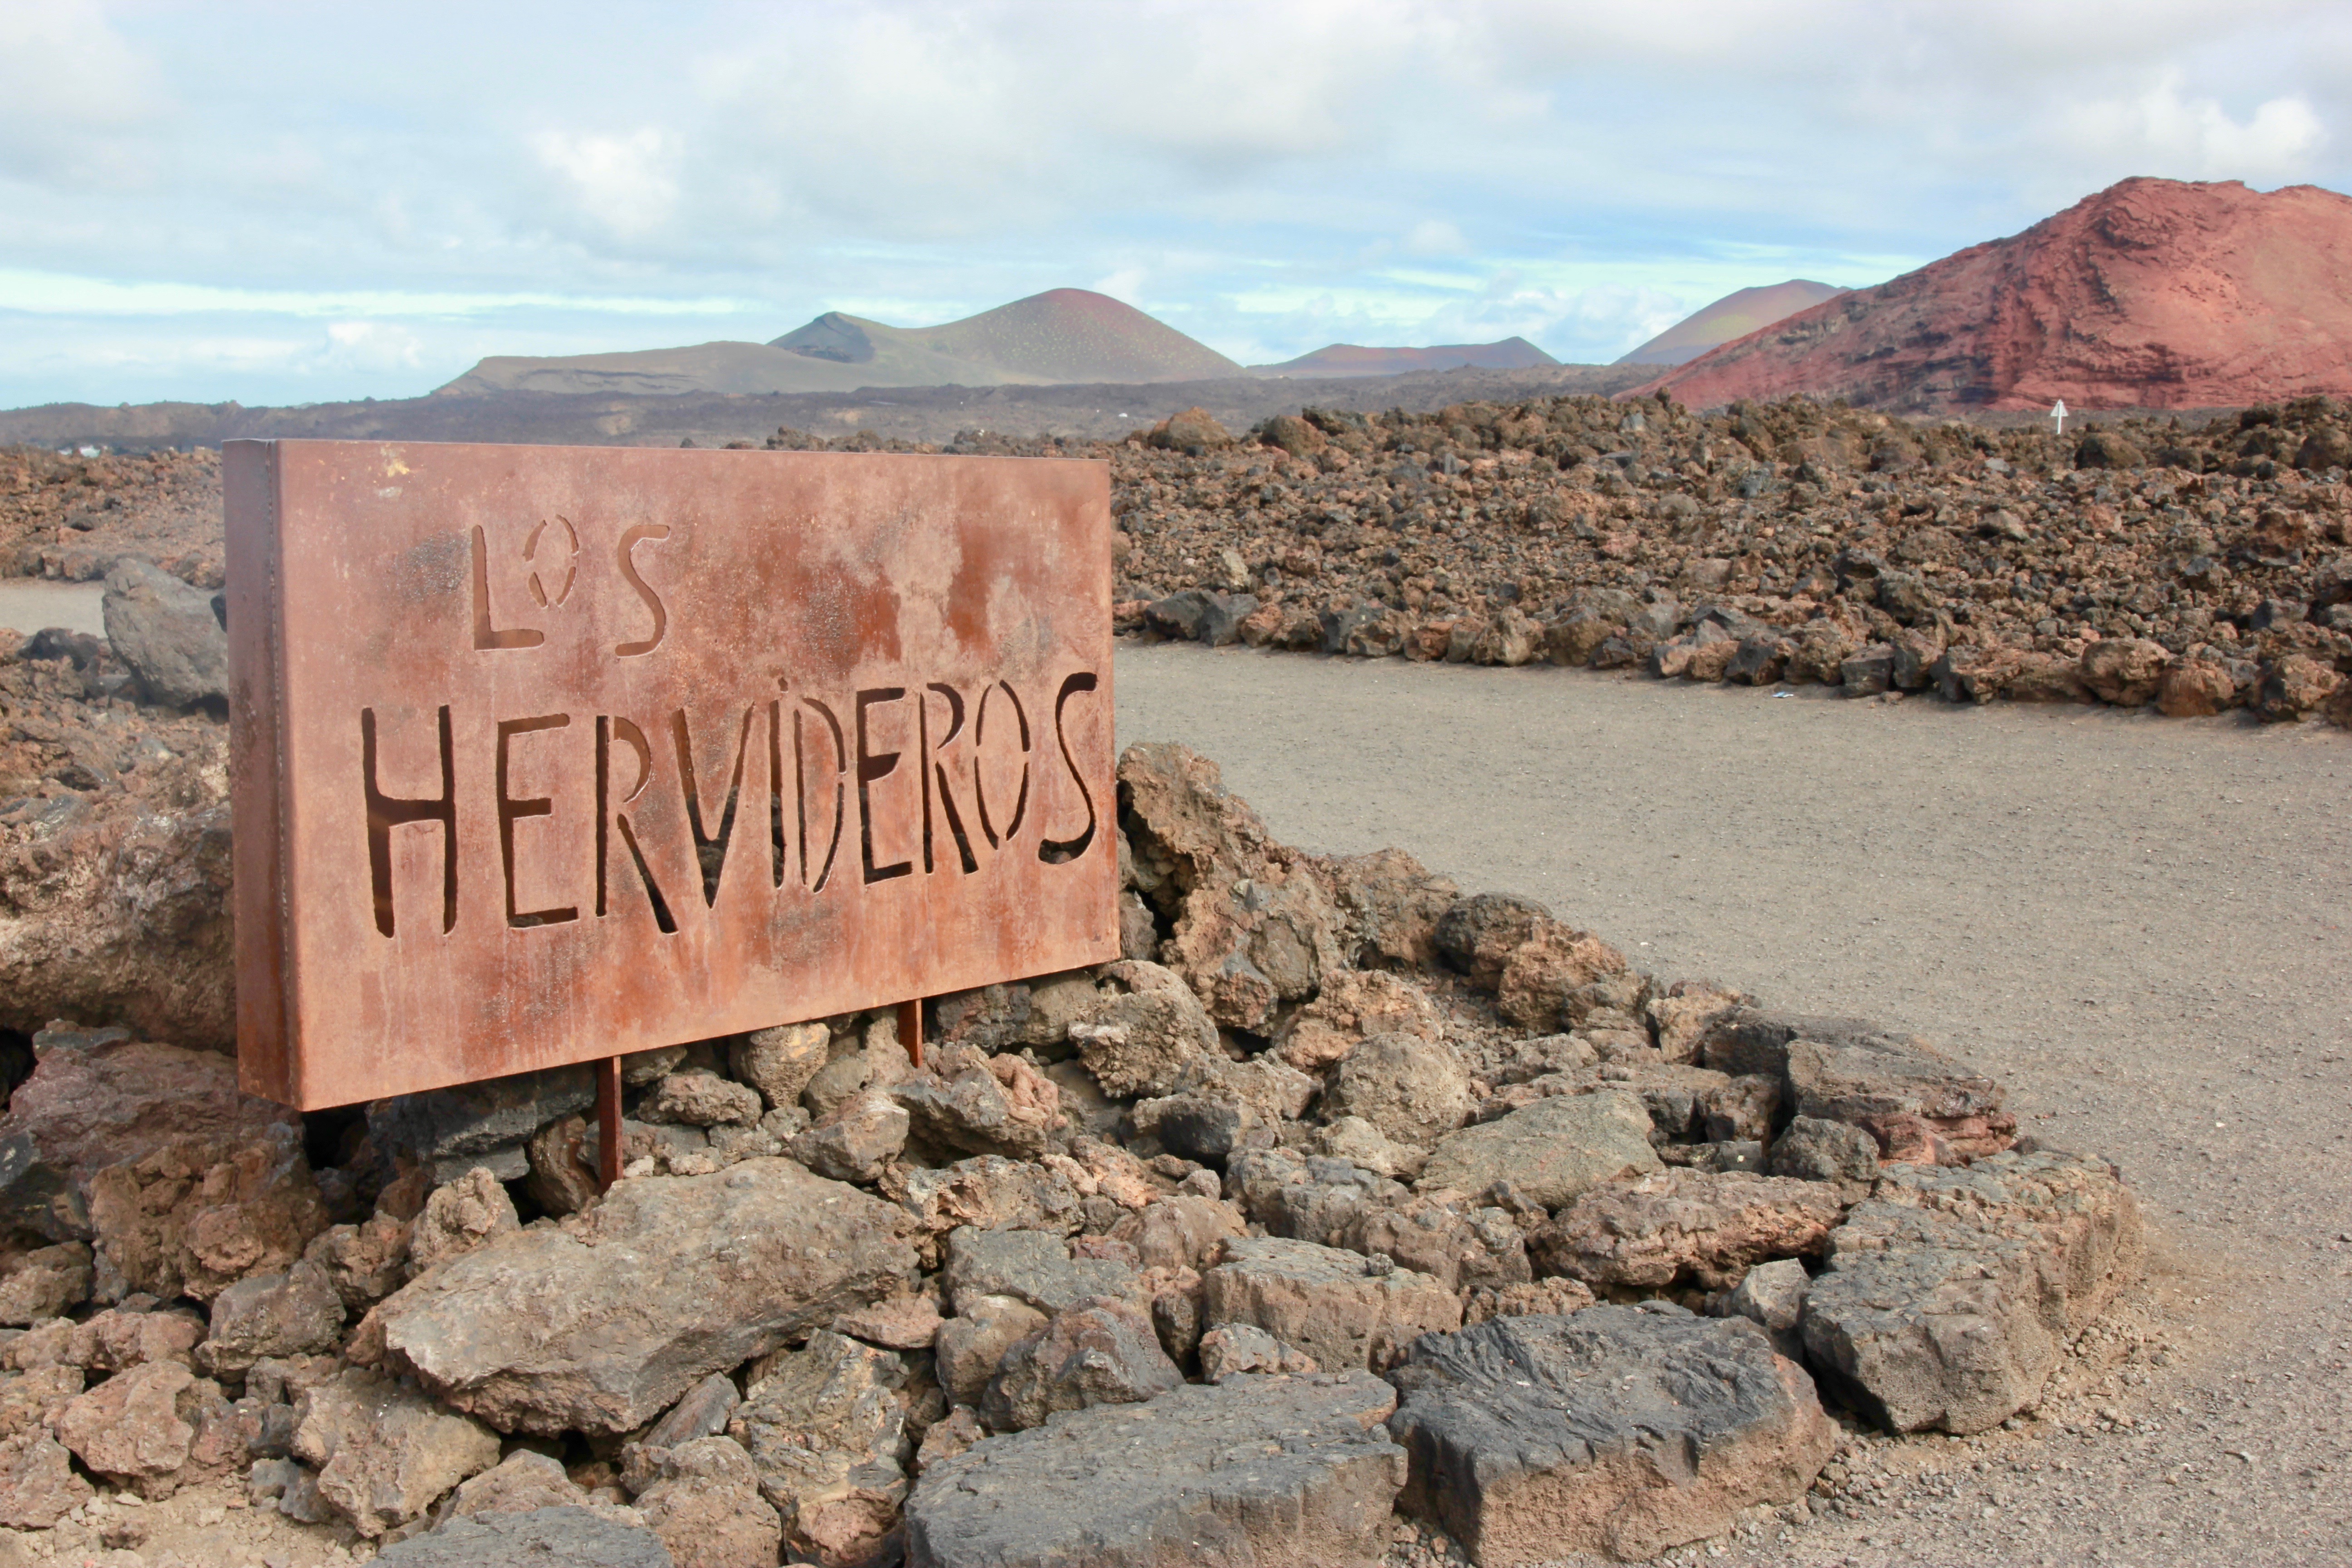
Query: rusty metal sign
(546, 754)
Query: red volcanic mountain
(2152, 294)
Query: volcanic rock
(103, 1105)
(294, 1313)
(200, 1214)
(599, 1324)
(1951, 1293)
(383, 1452)
(703, 1499)
(576, 1537)
(824, 1429)
(1342, 1309)
(1101, 1351)
(1277, 1472)
(1413, 1089)
(1553, 1150)
(1686, 1226)
(166, 632)
(1620, 1430)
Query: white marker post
(2058, 414)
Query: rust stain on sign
(544, 754)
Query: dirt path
(2143, 925)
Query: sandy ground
(29, 604)
(2139, 924)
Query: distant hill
(1061, 336)
(2151, 294)
(1348, 359)
(1733, 316)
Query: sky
(293, 202)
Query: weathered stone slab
(542, 1538)
(1687, 1226)
(1343, 1309)
(1271, 1473)
(1553, 1150)
(1618, 1430)
(1951, 1293)
(601, 1323)
(86, 1108)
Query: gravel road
(2139, 924)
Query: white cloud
(70, 88)
(1435, 236)
(2175, 135)
(628, 183)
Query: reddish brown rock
(1685, 1227)
(86, 1107)
(198, 1214)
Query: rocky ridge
(2196, 568)
(1333, 1164)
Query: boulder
(600, 1322)
(1185, 1231)
(1950, 1293)
(1030, 1266)
(1254, 927)
(1619, 1431)
(1553, 1296)
(383, 1454)
(987, 1193)
(199, 1214)
(856, 1139)
(522, 1482)
(1341, 1307)
(1835, 1151)
(702, 1498)
(1390, 905)
(1352, 1007)
(367, 1261)
(1919, 1104)
(115, 1340)
(1772, 1296)
(2195, 689)
(1307, 1198)
(1681, 1018)
(1412, 1088)
(824, 1429)
(38, 1486)
(1192, 430)
(779, 1062)
(451, 1131)
(2294, 688)
(973, 1344)
(2126, 670)
(1359, 1142)
(1553, 1150)
(701, 1098)
(86, 1108)
(1478, 934)
(460, 1217)
(1240, 1348)
(44, 1282)
(294, 1313)
(1685, 1227)
(703, 1413)
(574, 1536)
(1101, 1351)
(1538, 983)
(1460, 1246)
(975, 1104)
(31, 1400)
(165, 631)
(142, 1429)
(1275, 1472)
(1139, 1041)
